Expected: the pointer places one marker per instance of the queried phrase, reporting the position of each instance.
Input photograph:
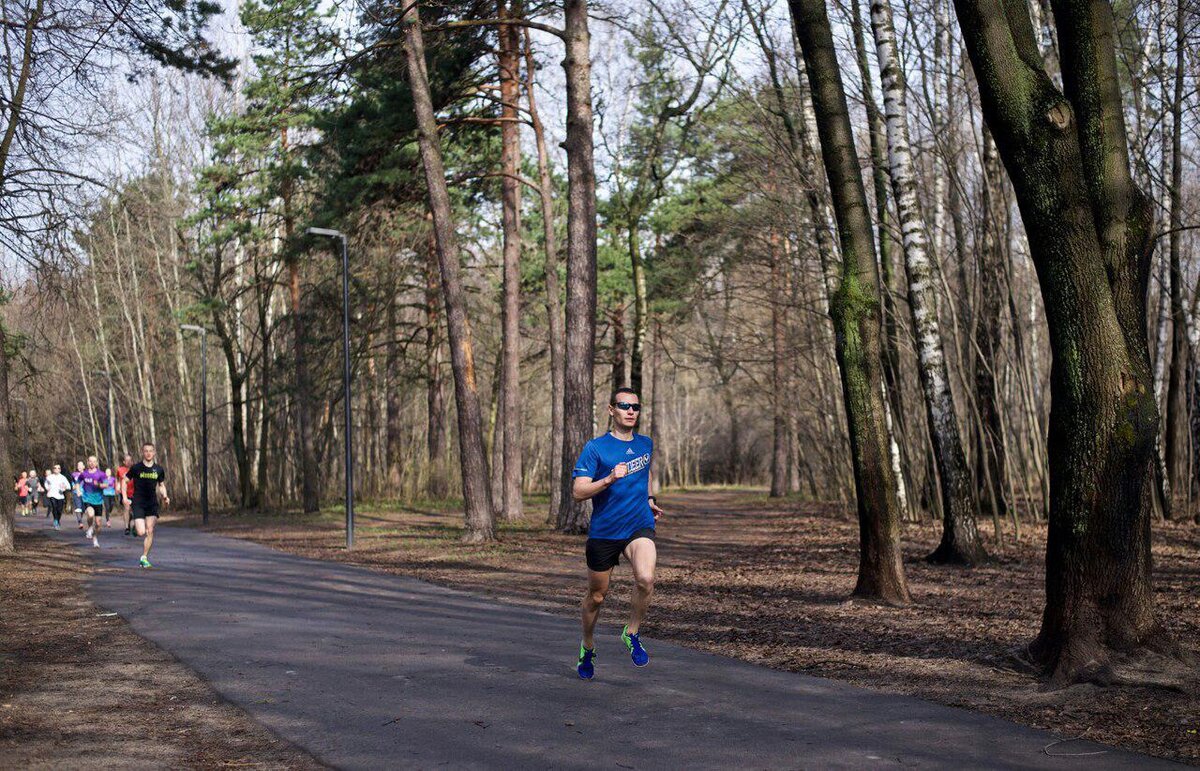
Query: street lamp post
(203, 417)
(345, 377)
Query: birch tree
(960, 536)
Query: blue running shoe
(636, 651)
(585, 668)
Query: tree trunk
(991, 460)
(1089, 232)
(393, 427)
(510, 195)
(553, 300)
(578, 392)
(476, 495)
(960, 535)
(616, 318)
(641, 308)
(855, 311)
(309, 483)
(264, 418)
(237, 420)
(897, 422)
(437, 486)
(8, 542)
(780, 397)
(1176, 423)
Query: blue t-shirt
(623, 508)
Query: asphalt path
(367, 670)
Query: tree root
(1157, 663)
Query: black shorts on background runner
(605, 553)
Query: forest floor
(78, 689)
(767, 580)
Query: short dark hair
(148, 444)
(622, 390)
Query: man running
(149, 484)
(91, 482)
(125, 490)
(77, 493)
(56, 492)
(614, 471)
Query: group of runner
(96, 493)
(613, 472)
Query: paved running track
(367, 670)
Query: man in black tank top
(149, 484)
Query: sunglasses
(628, 406)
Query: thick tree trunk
(578, 393)
(510, 186)
(855, 310)
(553, 300)
(1089, 232)
(476, 495)
(960, 535)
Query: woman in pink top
(22, 488)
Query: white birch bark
(960, 540)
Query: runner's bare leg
(597, 591)
(643, 556)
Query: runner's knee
(596, 597)
(645, 584)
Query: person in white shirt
(56, 486)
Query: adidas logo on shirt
(629, 451)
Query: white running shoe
(89, 533)
(96, 542)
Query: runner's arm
(584, 487)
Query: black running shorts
(142, 509)
(605, 553)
